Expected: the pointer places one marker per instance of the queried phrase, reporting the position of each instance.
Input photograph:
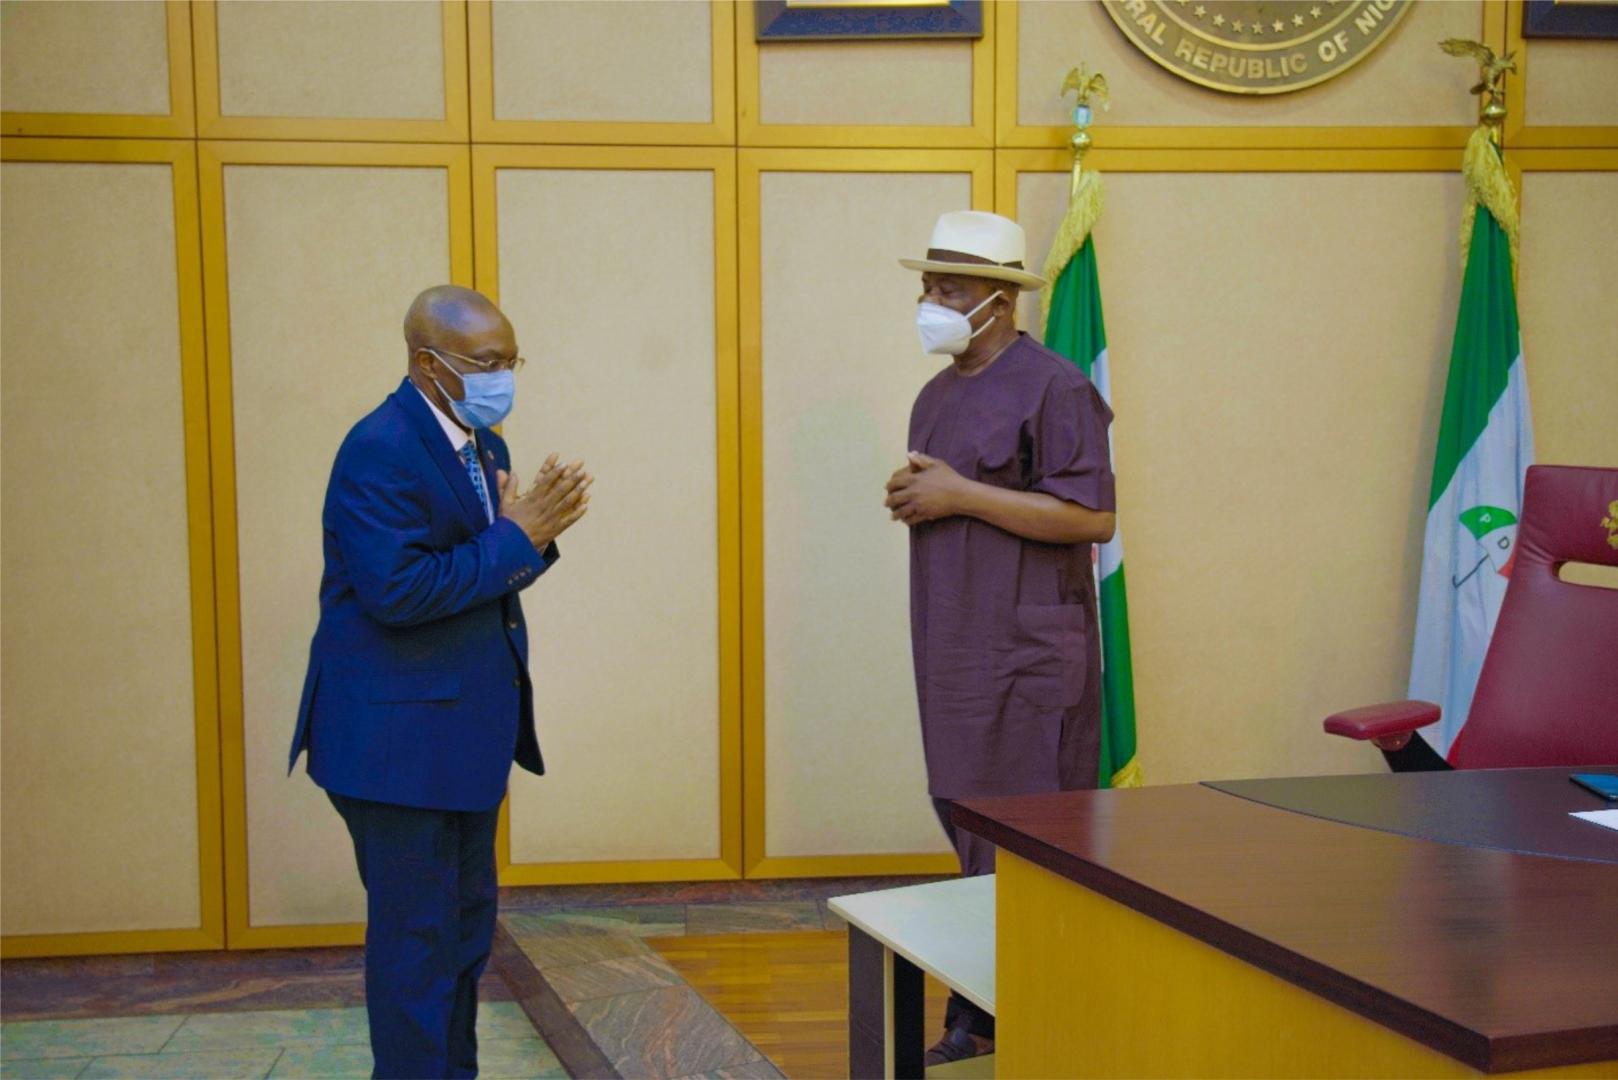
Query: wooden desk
(1191, 931)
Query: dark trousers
(977, 857)
(431, 892)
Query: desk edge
(1504, 1053)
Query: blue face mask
(488, 399)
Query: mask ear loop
(447, 396)
(979, 308)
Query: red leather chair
(1548, 691)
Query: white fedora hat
(973, 243)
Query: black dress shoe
(958, 1044)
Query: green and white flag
(1485, 445)
(1074, 328)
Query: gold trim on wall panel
(1010, 132)
(181, 156)
(752, 131)
(812, 866)
(453, 128)
(1563, 159)
(1517, 82)
(720, 131)
(752, 164)
(1520, 130)
(486, 162)
(109, 943)
(621, 872)
(179, 123)
(1009, 163)
(212, 159)
(1495, 13)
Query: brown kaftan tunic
(1004, 631)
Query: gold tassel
(1083, 210)
(1487, 183)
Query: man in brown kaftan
(1007, 486)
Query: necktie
(474, 471)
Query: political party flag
(1485, 445)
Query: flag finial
(1084, 193)
(1487, 182)
(1492, 71)
(1085, 85)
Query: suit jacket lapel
(409, 399)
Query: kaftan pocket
(1047, 657)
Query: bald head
(453, 333)
(450, 317)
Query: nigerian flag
(1485, 445)
(1074, 328)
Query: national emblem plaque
(1256, 46)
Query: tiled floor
(325, 1043)
(591, 995)
(165, 983)
(633, 1006)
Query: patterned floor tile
(503, 1020)
(517, 1059)
(99, 967)
(43, 1068)
(645, 920)
(752, 918)
(663, 1033)
(168, 996)
(832, 920)
(541, 897)
(623, 975)
(324, 1063)
(86, 1038)
(752, 1070)
(277, 1028)
(319, 1027)
(204, 1065)
(199, 982)
(564, 950)
(498, 1059)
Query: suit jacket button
(517, 682)
(512, 625)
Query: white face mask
(946, 331)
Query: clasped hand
(926, 489)
(559, 498)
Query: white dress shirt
(458, 437)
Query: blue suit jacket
(418, 691)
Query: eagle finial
(1087, 86)
(1492, 70)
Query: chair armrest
(1389, 724)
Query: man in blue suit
(418, 697)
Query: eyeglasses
(513, 364)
